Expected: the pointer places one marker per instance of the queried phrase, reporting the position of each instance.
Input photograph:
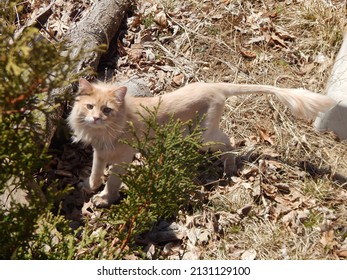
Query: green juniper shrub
(30, 69)
(158, 184)
(162, 181)
(161, 184)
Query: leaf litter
(289, 198)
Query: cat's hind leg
(221, 142)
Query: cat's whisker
(115, 126)
(110, 132)
(115, 129)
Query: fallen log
(96, 29)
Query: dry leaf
(328, 238)
(278, 210)
(249, 255)
(282, 188)
(170, 247)
(131, 257)
(150, 251)
(252, 171)
(135, 52)
(262, 166)
(192, 236)
(279, 41)
(289, 219)
(256, 190)
(248, 53)
(342, 252)
(284, 35)
(306, 68)
(191, 255)
(269, 190)
(161, 19)
(255, 40)
(149, 54)
(227, 219)
(204, 236)
(270, 153)
(244, 211)
(303, 215)
(178, 79)
(235, 253)
(274, 40)
(134, 22)
(120, 48)
(265, 135)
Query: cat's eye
(90, 106)
(106, 110)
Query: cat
(101, 113)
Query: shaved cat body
(101, 113)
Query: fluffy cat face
(98, 112)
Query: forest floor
(288, 200)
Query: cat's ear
(85, 86)
(120, 94)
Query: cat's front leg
(98, 168)
(110, 193)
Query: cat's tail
(303, 103)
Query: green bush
(162, 180)
(158, 184)
(30, 69)
(157, 187)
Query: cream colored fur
(101, 111)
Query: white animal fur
(102, 131)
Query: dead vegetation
(289, 200)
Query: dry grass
(211, 45)
(288, 44)
(289, 198)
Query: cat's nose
(96, 119)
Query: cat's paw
(90, 185)
(100, 201)
(103, 200)
(230, 164)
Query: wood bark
(96, 29)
